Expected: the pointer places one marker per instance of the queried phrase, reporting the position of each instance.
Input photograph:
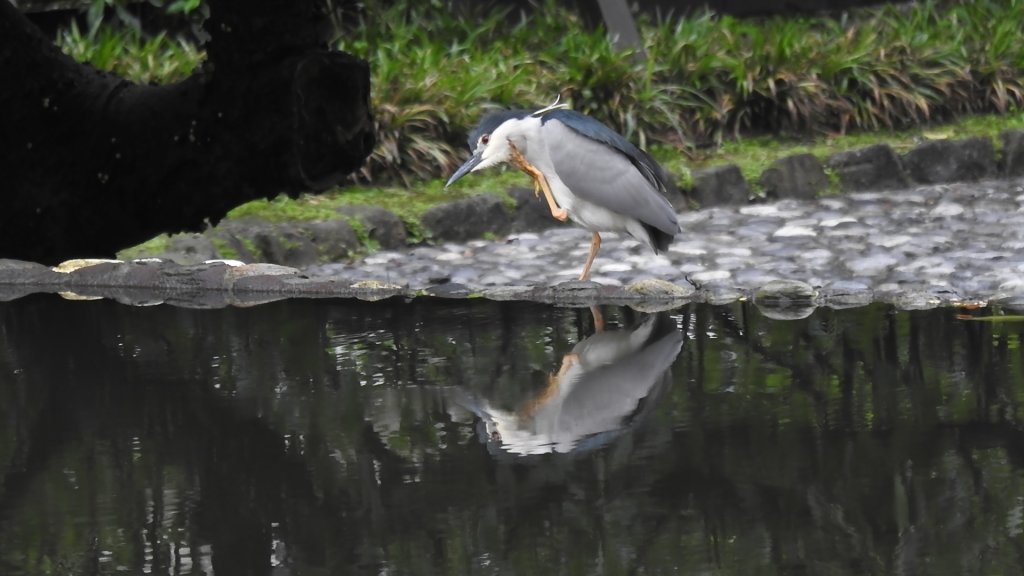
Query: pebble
(788, 231)
(966, 240)
(710, 276)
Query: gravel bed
(917, 248)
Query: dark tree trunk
(91, 163)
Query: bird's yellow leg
(598, 318)
(559, 213)
(595, 245)
(540, 183)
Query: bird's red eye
(485, 139)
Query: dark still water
(332, 437)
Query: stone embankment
(941, 224)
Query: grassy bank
(752, 155)
(706, 80)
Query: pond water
(476, 437)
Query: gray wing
(604, 175)
(606, 396)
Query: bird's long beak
(466, 168)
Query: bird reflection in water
(596, 394)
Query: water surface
(436, 437)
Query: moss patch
(755, 155)
(157, 245)
(224, 249)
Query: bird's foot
(539, 183)
(567, 362)
(517, 159)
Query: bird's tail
(660, 239)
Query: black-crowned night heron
(593, 398)
(587, 172)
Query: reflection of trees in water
(850, 442)
(131, 457)
(863, 425)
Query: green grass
(156, 59)
(707, 81)
(156, 245)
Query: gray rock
(719, 293)
(709, 276)
(305, 243)
(799, 176)
(658, 288)
(577, 288)
(334, 240)
(579, 293)
(846, 294)
(503, 293)
(101, 274)
(1012, 161)
(374, 290)
(17, 272)
(531, 213)
(259, 269)
(912, 299)
(236, 239)
(296, 244)
(872, 264)
(720, 185)
(448, 290)
(188, 249)
(943, 161)
(875, 167)
(466, 219)
(381, 226)
(785, 293)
